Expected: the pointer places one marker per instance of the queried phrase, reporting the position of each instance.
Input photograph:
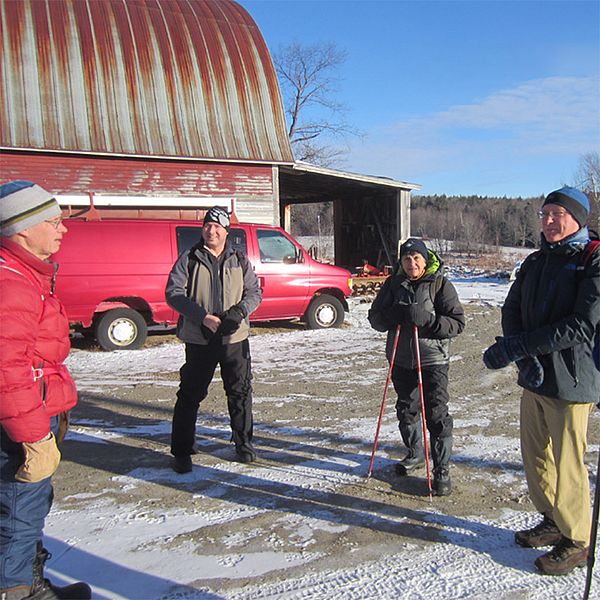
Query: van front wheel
(121, 329)
(325, 311)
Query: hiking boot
(15, 593)
(545, 533)
(563, 558)
(49, 591)
(409, 463)
(442, 486)
(181, 464)
(44, 589)
(245, 452)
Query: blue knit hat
(24, 204)
(573, 200)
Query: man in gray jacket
(549, 321)
(214, 290)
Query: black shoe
(181, 464)
(442, 486)
(245, 452)
(545, 533)
(49, 591)
(44, 589)
(409, 463)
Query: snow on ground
(474, 559)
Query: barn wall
(251, 186)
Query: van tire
(121, 329)
(324, 311)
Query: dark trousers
(408, 410)
(23, 510)
(195, 377)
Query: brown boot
(15, 593)
(563, 558)
(545, 533)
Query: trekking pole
(387, 385)
(593, 534)
(423, 419)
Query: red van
(113, 274)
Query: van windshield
(190, 236)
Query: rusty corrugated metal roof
(174, 78)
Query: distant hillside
(475, 220)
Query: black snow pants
(195, 377)
(408, 409)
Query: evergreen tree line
(475, 220)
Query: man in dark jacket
(549, 322)
(214, 289)
(418, 294)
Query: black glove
(531, 370)
(208, 334)
(231, 319)
(419, 316)
(397, 314)
(504, 351)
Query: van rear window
(190, 236)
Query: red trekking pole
(387, 385)
(423, 419)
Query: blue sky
(487, 97)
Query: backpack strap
(586, 256)
(435, 286)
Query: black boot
(413, 460)
(442, 486)
(245, 452)
(243, 448)
(43, 589)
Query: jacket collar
(43, 267)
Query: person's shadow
(111, 581)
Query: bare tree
(587, 178)
(307, 76)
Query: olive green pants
(553, 445)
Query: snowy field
(126, 551)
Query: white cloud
(537, 120)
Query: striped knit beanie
(24, 204)
(573, 200)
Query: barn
(162, 106)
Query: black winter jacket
(558, 309)
(434, 340)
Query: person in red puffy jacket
(36, 389)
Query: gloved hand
(531, 371)
(504, 351)
(419, 316)
(41, 460)
(397, 314)
(231, 319)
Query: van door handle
(261, 282)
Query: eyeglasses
(554, 214)
(56, 223)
